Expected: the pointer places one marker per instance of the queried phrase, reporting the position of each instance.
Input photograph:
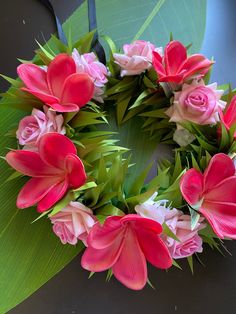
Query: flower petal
(29, 163)
(34, 190)
(220, 167)
(33, 77)
(78, 89)
(178, 78)
(175, 55)
(222, 218)
(191, 186)
(53, 196)
(225, 191)
(131, 268)
(75, 171)
(154, 249)
(46, 98)
(195, 64)
(65, 107)
(157, 63)
(142, 223)
(100, 260)
(102, 236)
(59, 70)
(54, 148)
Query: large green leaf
(29, 253)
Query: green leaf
(190, 263)
(194, 218)
(169, 233)
(62, 203)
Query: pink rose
(31, 128)
(180, 225)
(197, 103)
(73, 223)
(88, 63)
(190, 241)
(137, 57)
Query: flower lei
(78, 174)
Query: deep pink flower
(214, 192)
(59, 87)
(73, 223)
(124, 244)
(228, 118)
(32, 128)
(54, 169)
(176, 67)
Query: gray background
(213, 288)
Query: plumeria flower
(213, 194)
(124, 244)
(176, 67)
(58, 86)
(54, 169)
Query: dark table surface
(213, 288)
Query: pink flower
(228, 118)
(31, 128)
(197, 103)
(73, 223)
(88, 63)
(54, 169)
(59, 87)
(180, 225)
(176, 67)
(137, 57)
(123, 244)
(213, 192)
(189, 240)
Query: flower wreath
(80, 178)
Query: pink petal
(220, 167)
(230, 115)
(29, 163)
(78, 89)
(157, 63)
(59, 70)
(154, 249)
(222, 218)
(54, 148)
(33, 77)
(142, 223)
(102, 236)
(175, 55)
(225, 191)
(196, 64)
(75, 171)
(34, 190)
(65, 107)
(131, 268)
(100, 260)
(46, 98)
(53, 196)
(191, 186)
(178, 78)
